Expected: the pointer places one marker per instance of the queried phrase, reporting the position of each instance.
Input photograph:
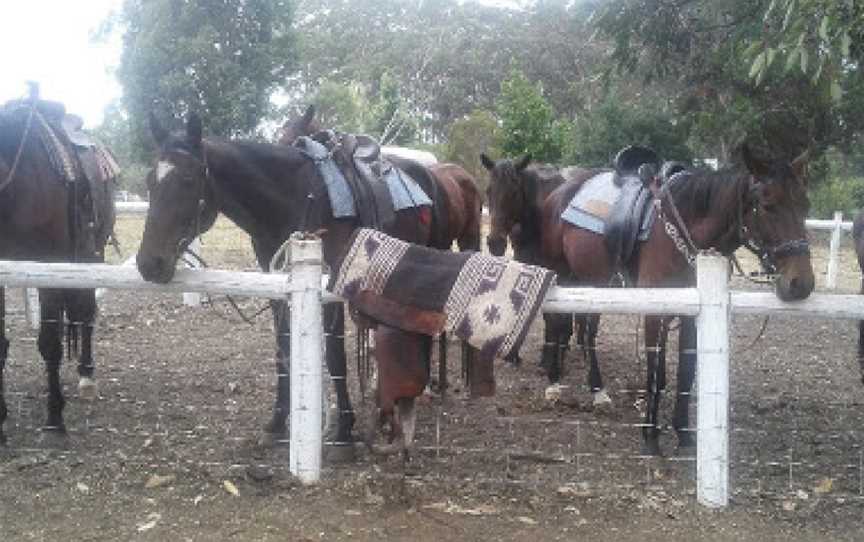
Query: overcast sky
(49, 41)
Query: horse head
(182, 199)
(774, 211)
(506, 199)
(303, 126)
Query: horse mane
(697, 191)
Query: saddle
(360, 181)
(78, 159)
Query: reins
(11, 175)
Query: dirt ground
(170, 450)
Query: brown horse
(459, 215)
(858, 237)
(46, 216)
(763, 207)
(271, 191)
(516, 194)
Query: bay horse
(45, 216)
(858, 238)
(460, 212)
(762, 206)
(516, 194)
(271, 191)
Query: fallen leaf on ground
(231, 488)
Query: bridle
(739, 235)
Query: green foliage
(115, 133)
(470, 136)
(389, 118)
(341, 106)
(528, 124)
(599, 134)
(845, 194)
(221, 59)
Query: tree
(114, 132)
(528, 123)
(468, 137)
(221, 59)
(599, 134)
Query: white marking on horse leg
(162, 170)
(553, 393)
(407, 409)
(87, 389)
(601, 398)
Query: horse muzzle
(155, 268)
(497, 244)
(796, 280)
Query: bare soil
(171, 451)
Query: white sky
(49, 41)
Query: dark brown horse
(269, 191)
(516, 194)
(46, 216)
(763, 206)
(858, 238)
(459, 214)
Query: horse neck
(718, 227)
(534, 193)
(258, 191)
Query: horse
(858, 238)
(271, 191)
(762, 206)
(516, 194)
(461, 212)
(47, 216)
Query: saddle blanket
(591, 206)
(489, 302)
(404, 190)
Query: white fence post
(306, 359)
(31, 307)
(193, 299)
(712, 325)
(834, 251)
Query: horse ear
(754, 165)
(487, 162)
(523, 163)
(799, 165)
(193, 129)
(160, 134)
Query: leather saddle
(635, 168)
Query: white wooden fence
(711, 302)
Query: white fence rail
(711, 302)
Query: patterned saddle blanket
(373, 190)
(488, 302)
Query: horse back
(424, 178)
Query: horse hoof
(87, 389)
(602, 399)
(54, 436)
(340, 453)
(552, 394)
(685, 450)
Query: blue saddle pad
(591, 206)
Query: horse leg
(406, 412)
(861, 340)
(595, 379)
(654, 340)
(555, 329)
(4, 352)
(686, 373)
(51, 348)
(334, 338)
(81, 307)
(282, 407)
(442, 363)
